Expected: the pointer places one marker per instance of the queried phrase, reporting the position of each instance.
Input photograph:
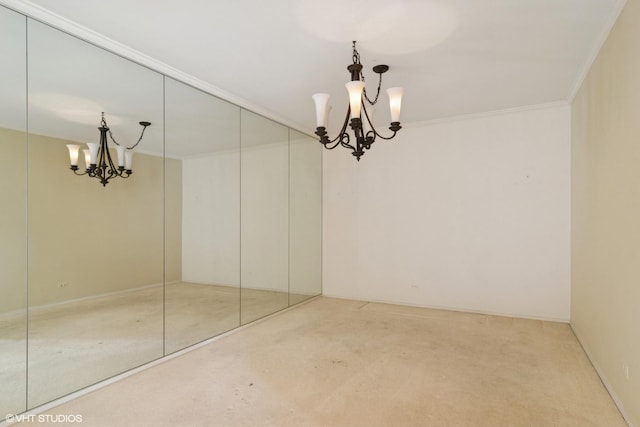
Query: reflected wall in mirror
(203, 146)
(217, 227)
(95, 253)
(264, 216)
(13, 213)
(305, 217)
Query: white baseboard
(124, 375)
(458, 309)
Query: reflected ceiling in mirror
(72, 82)
(200, 123)
(13, 87)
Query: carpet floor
(332, 362)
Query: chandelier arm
(113, 171)
(373, 129)
(338, 140)
(75, 171)
(332, 146)
(100, 163)
(343, 130)
(395, 127)
(328, 147)
(344, 141)
(105, 168)
(100, 171)
(384, 137)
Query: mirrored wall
(13, 213)
(218, 225)
(202, 164)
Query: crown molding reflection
(73, 28)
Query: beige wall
(85, 239)
(173, 219)
(605, 310)
(13, 220)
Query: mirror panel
(95, 253)
(305, 217)
(203, 184)
(264, 216)
(13, 212)
(219, 225)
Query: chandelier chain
(134, 145)
(356, 60)
(364, 91)
(103, 123)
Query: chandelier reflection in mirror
(98, 158)
(363, 130)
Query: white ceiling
(454, 57)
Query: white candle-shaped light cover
(121, 153)
(322, 108)
(128, 160)
(87, 157)
(355, 89)
(395, 102)
(73, 153)
(93, 150)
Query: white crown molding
(484, 114)
(604, 35)
(57, 21)
(70, 27)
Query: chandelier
(98, 158)
(363, 131)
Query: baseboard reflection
(75, 344)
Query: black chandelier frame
(105, 169)
(363, 141)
